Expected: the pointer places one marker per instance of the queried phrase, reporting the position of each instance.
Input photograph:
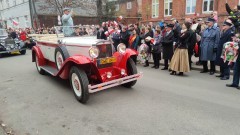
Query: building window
(129, 5)
(190, 6)
(207, 5)
(7, 3)
(155, 8)
(117, 7)
(26, 21)
(167, 7)
(14, 2)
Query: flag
(15, 22)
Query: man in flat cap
(167, 44)
(226, 36)
(67, 22)
(209, 45)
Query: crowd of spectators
(176, 44)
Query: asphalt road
(159, 104)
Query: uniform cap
(66, 8)
(227, 23)
(210, 20)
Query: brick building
(129, 9)
(156, 10)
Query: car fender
(77, 60)
(122, 58)
(37, 51)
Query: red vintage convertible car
(90, 64)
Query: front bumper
(10, 51)
(113, 83)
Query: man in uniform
(209, 45)
(226, 36)
(67, 22)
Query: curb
(194, 67)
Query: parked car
(90, 64)
(10, 45)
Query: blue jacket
(67, 21)
(209, 43)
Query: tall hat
(170, 25)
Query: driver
(67, 22)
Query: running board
(50, 70)
(113, 83)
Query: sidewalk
(2, 132)
(194, 66)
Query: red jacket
(23, 36)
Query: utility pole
(31, 13)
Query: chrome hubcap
(76, 84)
(59, 60)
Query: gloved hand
(215, 50)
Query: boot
(146, 63)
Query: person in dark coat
(176, 29)
(226, 36)
(156, 51)
(116, 37)
(13, 34)
(100, 34)
(167, 45)
(124, 36)
(209, 44)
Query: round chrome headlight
(12, 46)
(7, 48)
(121, 48)
(16, 41)
(2, 41)
(94, 52)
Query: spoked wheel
(79, 83)
(59, 59)
(39, 69)
(61, 54)
(131, 70)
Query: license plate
(15, 52)
(107, 60)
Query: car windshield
(75, 31)
(3, 32)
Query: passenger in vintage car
(67, 21)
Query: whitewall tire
(79, 83)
